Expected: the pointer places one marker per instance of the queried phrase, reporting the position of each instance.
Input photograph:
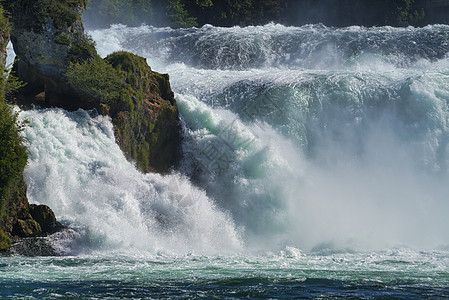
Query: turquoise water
(392, 274)
(315, 165)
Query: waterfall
(304, 136)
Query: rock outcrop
(17, 217)
(61, 68)
(47, 35)
(146, 116)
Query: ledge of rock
(61, 67)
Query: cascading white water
(77, 168)
(328, 140)
(309, 137)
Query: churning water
(316, 164)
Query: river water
(316, 165)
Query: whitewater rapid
(309, 137)
(76, 166)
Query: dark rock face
(15, 217)
(26, 228)
(24, 220)
(145, 117)
(47, 35)
(45, 217)
(62, 69)
(32, 247)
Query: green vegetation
(5, 241)
(187, 13)
(4, 29)
(145, 115)
(63, 12)
(63, 39)
(13, 154)
(82, 49)
(404, 12)
(96, 79)
(139, 101)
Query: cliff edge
(61, 67)
(17, 217)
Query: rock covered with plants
(47, 35)
(61, 68)
(140, 102)
(17, 217)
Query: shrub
(5, 241)
(96, 78)
(4, 29)
(63, 39)
(178, 15)
(82, 49)
(13, 155)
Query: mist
(334, 138)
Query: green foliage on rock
(62, 12)
(45, 217)
(140, 103)
(82, 49)
(13, 154)
(5, 241)
(63, 39)
(65, 12)
(4, 29)
(96, 79)
(145, 116)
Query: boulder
(26, 228)
(45, 217)
(61, 67)
(46, 36)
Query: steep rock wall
(62, 68)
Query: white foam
(76, 168)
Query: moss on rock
(47, 35)
(15, 217)
(145, 115)
(63, 39)
(140, 102)
(5, 241)
(34, 14)
(45, 217)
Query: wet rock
(45, 217)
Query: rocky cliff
(46, 35)
(17, 217)
(61, 68)
(145, 116)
